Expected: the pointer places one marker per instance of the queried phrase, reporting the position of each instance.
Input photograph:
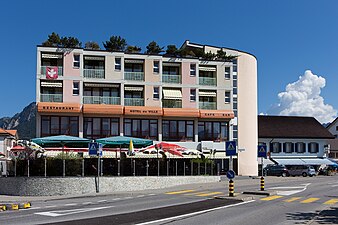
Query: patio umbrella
(131, 148)
(123, 141)
(62, 141)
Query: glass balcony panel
(101, 100)
(134, 101)
(208, 81)
(93, 73)
(207, 105)
(166, 78)
(166, 103)
(51, 98)
(134, 75)
(60, 70)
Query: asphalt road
(194, 204)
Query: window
(156, 67)
(178, 130)
(76, 61)
(141, 128)
(227, 73)
(300, 147)
(76, 88)
(275, 147)
(192, 70)
(313, 147)
(94, 128)
(192, 95)
(117, 63)
(212, 131)
(227, 97)
(288, 147)
(336, 128)
(156, 94)
(59, 125)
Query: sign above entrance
(142, 111)
(53, 107)
(220, 114)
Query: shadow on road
(327, 216)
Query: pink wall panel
(68, 69)
(68, 93)
(186, 78)
(186, 103)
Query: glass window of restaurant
(178, 130)
(94, 127)
(59, 125)
(141, 128)
(213, 131)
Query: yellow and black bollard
(231, 188)
(262, 183)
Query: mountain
(24, 122)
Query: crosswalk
(282, 198)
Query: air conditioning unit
(207, 146)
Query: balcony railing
(171, 103)
(60, 70)
(51, 98)
(93, 73)
(134, 101)
(134, 75)
(209, 81)
(101, 100)
(166, 78)
(207, 105)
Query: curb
(236, 197)
(15, 206)
(264, 193)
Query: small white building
(294, 140)
(333, 128)
(7, 139)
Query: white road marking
(115, 199)
(102, 201)
(128, 197)
(50, 206)
(33, 208)
(152, 194)
(69, 212)
(194, 213)
(335, 185)
(87, 203)
(139, 196)
(291, 192)
(71, 204)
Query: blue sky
(288, 37)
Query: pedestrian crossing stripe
(196, 193)
(331, 202)
(273, 197)
(309, 200)
(292, 199)
(209, 194)
(179, 192)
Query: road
(297, 200)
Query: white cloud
(302, 98)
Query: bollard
(231, 188)
(262, 183)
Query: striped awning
(97, 58)
(171, 64)
(172, 94)
(134, 61)
(204, 68)
(51, 84)
(101, 85)
(133, 88)
(207, 93)
(51, 56)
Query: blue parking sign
(262, 151)
(230, 148)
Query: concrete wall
(21, 186)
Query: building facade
(96, 94)
(7, 140)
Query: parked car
(275, 170)
(302, 170)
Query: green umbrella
(62, 141)
(123, 141)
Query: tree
(154, 48)
(115, 43)
(133, 49)
(70, 42)
(221, 55)
(209, 56)
(171, 50)
(53, 40)
(92, 45)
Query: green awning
(123, 141)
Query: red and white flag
(52, 72)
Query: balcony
(134, 76)
(207, 81)
(134, 101)
(176, 79)
(101, 100)
(207, 105)
(93, 73)
(51, 98)
(44, 68)
(166, 103)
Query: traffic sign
(262, 151)
(231, 174)
(100, 149)
(230, 148)
(93, 147)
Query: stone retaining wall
(36, 186)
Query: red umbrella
(168, 147)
